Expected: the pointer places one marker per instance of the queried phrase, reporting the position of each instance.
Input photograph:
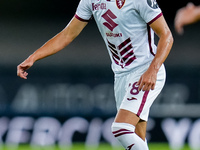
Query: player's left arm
(148, 79)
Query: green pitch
(78, 146)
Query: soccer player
(127, 27)
(185, 16)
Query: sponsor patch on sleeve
(153, 4)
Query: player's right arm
(54, 45)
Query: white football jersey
(124, 26)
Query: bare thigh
(140, 129)
(125, 116)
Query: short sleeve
(148, 10)
(83, 12)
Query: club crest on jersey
(120, 3)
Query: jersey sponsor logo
(122, 54)
(109, 17)
(152, 3)
(98, 6)
(120, 3)
(114, 34)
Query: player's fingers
(190, 5)
(141, 86)
(25, 75)
(146, 87)
(178, 23)
(138, 83)
(21, 72)
(178, 26)
(179, 29)
(18, 70)
(152, 87)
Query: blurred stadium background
(68, 97)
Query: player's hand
(21, 68)
(147, 81)
(184, 16)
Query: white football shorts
(129, 98)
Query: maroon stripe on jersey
(143, 102)
(112, 49)
(123, 49)
(117, 62)
(79, 18)
(154, 19)
(149, 40)
(111, 44)
(130, 60)
(115, 56)
(126, 49)
(124, 43)
(128, 55)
